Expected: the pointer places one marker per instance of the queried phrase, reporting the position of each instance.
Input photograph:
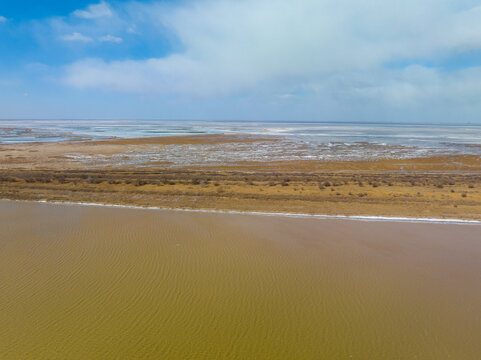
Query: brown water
(98, 283)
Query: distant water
(392, 140)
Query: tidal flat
(80, 282)
(220, 172)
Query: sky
(305, 60)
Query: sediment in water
(83, 282)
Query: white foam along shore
(260, 213)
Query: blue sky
(314, 60)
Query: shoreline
(362, 218)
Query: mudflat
(239, 172)
(80, 282)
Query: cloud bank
(386, 55)
(254, 41)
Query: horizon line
(248, 121)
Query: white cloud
(111, 38)
(77, 37)
(132, 29)
(94, 11)
(231, 45)
(336, 54)
(3, 19)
